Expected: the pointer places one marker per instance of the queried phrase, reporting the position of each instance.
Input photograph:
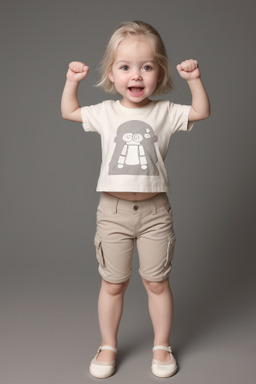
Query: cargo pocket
(169, 254)
(99, 251)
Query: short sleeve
(91, 118)
(179, 117)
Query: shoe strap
(162, 348)
(107, 347)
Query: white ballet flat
(102, 370)
(162, 368)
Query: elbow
(200, 114)
(64, 115)
(207, 115)
(208, 111)
(72, 117)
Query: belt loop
(115, 205)
(153, 206)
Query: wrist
(194, 79)
(72, 81)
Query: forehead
(137, 46)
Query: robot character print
(134, 153)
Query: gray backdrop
(49, 169)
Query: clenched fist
(77, 71)
(189, 69)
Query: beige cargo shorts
(121, 224)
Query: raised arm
(70, 107)
(200, 106)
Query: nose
(137, 75)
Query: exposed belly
(133, 196)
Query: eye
(147, 68)
(124, 67)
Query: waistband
(116, 204)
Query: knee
(156, 287)
(114, 289)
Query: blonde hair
(132, 29)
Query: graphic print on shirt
(134, 153)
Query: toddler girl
(135, 133)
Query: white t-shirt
(134, 143)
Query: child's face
(135, 71)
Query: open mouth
(136, 90)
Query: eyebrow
(142, 61)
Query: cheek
(119, 81)
(152, 79)
(153, 82)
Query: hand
(189, 70)
(77, 71)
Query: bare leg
(160, 304)
(110, 308)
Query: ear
(110, 76)
(160, 75)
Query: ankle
(106, 356)
(161, 354)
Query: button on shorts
(121, 224)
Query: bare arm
(70, 107)
(200, 107)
